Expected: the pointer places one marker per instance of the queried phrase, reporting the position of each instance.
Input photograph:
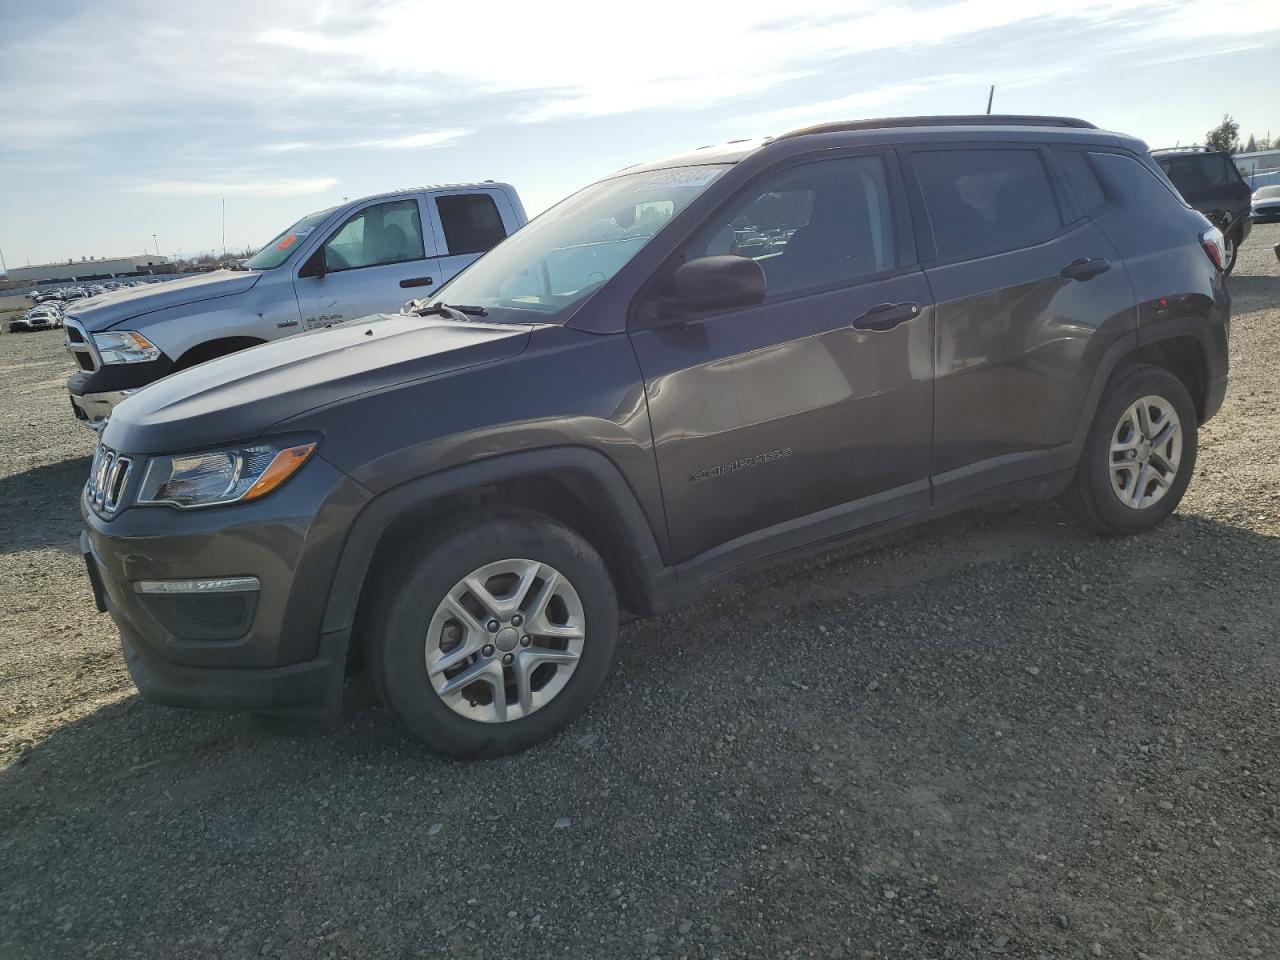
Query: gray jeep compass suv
(694, 367)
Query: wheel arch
(211, 349)
(575, 486)
(1184, 356)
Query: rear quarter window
(1084, 182)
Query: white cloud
(348, 66)
(283, 187)
(425, 140)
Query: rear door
(1029, 293)
(468, 224)
(373, 262)
(779, 423)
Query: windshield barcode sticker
(681, 178)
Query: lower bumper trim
(96, 407)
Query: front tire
(1139, 455)
(495, 635)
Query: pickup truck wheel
(1139, 455)
(495, 636)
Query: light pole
(157, 243)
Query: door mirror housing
(314, 267)
(719, 283)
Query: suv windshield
(562, 257)
(278, 249)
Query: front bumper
(92, 409)
(278, 660)
(95, 393)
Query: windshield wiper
(454, 311)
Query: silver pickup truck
(364, 257)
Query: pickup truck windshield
(282, 246)
(559, 259)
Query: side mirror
(314, 267)
(719, 283)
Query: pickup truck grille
(108, 475)
(80, 345)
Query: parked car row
(689, 369)
(44, 316)
(68, 294)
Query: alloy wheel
(1146, 449)
(505, 640)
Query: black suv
(1210, 182)
(692, 368)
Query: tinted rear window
(1084, 182)
(982, 202)
(471, 222)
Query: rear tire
(556, 611)
(1231, 243)
(1124, 483)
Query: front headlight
(222, 476)
(125, 346)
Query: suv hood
(244, 395)
(107, 309)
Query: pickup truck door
(468, 224)
(381, 256)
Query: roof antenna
(991, 96)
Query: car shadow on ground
(40, 507)
(948, 714)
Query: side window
(1187, 174)
(1084, 182)
(818, 224)
(380, 234)
(471, 222)
(983, 202)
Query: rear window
(1196, 173)
(983, 202)
(1084, 182)
(471, 222)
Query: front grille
(108, 475)
(78, 341)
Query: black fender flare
(377, 516)
(1144, 336)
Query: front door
(373, 263)
(811, 411)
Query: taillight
(1214, 247)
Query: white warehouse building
(93, 269)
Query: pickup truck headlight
(125, 346)
(232, 475)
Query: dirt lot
(995, 735)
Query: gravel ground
(993, 735)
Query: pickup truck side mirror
(314, 267)
(718, 283)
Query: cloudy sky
(123, 119)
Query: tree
(1225, 136)
(1252, 145)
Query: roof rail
(1191, 148)
(962, 120)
